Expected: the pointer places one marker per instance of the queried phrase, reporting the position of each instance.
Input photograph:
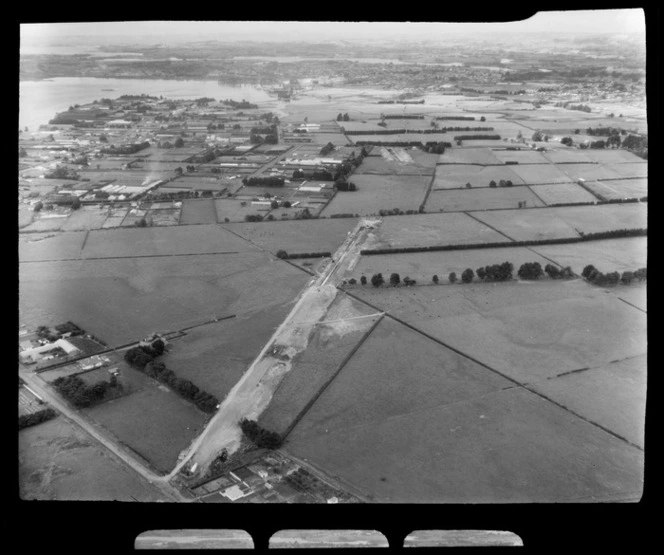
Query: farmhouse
(44, 352)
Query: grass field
(481, 156)
(86, 217)
(141, 242)
(421, 266)
(124, 300)
(605, 217)
(452, 176)
(525, 156)
(562, 193)
(46, 223)
(631, 169)
(473, 435)
(199, 211)
(376, 192)
(458, 200)
(609, 255)
(636, 295)
(155, 422)
(234, 211)
(523, 225)
(432, 229)
(568, 156)
(327, 348)
(57, 460)
(620, 188)
(612, 156)
(529, 330)
(535, 174)
(59, 246)
(589, 172)
(298, 236)
(389, 164)
(620, 408)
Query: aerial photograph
(327, 262)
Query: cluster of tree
(393, 131)
(259, 436)
(242, 105)
(268, 181)
(318, 174)
(392, 143)
(269, 117)
(476, 137)
(604, 131)
(557, 273)
(81, 160)
(613, 234)
(216, 126)
(396, 212)
(501, 183)
(344, 215)
(567, 141)
(401, 101)
(44, 332)
(343, 117)
(142, 358)
(459, 118)
(538, 136)
(75, 390)
(395, 280)
(141, 96)
(63, 119)
(285, 256)
(377, 280)
(530, 270)
(329, 147)
(437, 148)
(496, 272)
(343, 185)
(637, 144)
(304, 214)
(132, 148)
(62, 172)
(26, 420)
(402, 116)
(203, 101)
(593, 275)
(253, 218)
(204, 157)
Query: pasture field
(215, 356)
(409, 137)
(636, 295)
(399, 161)
(376, 192)
(426, 230)
(233, 210)
(562, 193)
(164, 216)
(530, 330)
(481, 143)
(622, 406)
(461, 200)
(630, 169)
(61, 246)
(45, 222)
(58, 460)
(379, 426)
(328, 346)
(178, 240)
(536, 174)
(123, 300)
(604, 217)
(612, 156)
(589, 172)
(524, 225)
(86, 217)
(480, 156)
(450, 176)
(26, 216)
(608, 255)
(620, 188)
(297, 236)
(525, 156)
(568, 156)
(198, 211)
(115, 217)
(421, 266)
(155, 423)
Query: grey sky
(610, 21)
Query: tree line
(75, 390)
(259, 436)
(269, 181)
(285, 256)
(26, 420)
(593, 275)
(143, 359)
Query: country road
(72, 415)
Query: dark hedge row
(615, 234)
(402, 116)
(284, 255)
(260, 436)
(459, 118)
(476, 137)
(75, 390)
(26, 420)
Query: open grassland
(432, 229)
(123, 300)
(462, 200)
(568, 156)
(536, 174)
(391, 163)
(620, 188)
(605, 217)
(631, 169)
(481, 156)
(453, 176)
(46, 222)
(525, 225)
(376, 192)
(527, 330)
(620, 408)
(405, 408)
(155, 423)
(57, 460)
(197, 211)
(525, 156)
(298, 236)
(636, 295)
(613, 156)
(86, 217)
(328, 346)
(588, 172)
(215, 356)
(143, 242)
(233, 210)
(61, 246)
(607, 255)
(421, 266)
(562, 193)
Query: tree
(377, 280)
(467, 275)
(76, 204)
(274, 204)
(641, 274)
(589, 272)
(395, 279)
(363, 280)
(509, 183)
(452, 277)
(552, 271)
(492, 183)
(481, 273)
(179, 170)
(566, 273)
(537, 136)
(339, 116)
(482, 118)
(468, 185)
(346, 117)
(352, 281)
(38, 206)
(530, 270)
(141, 223)
(282, 254)
(179, 143)
(435, 279)
(627, 277)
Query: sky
(582, 21)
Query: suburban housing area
(371, 282)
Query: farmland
(456, 176)
(462, 200)
(63, 246)
(201, 211)
(562, 193)
(536, 174)
(619, 188)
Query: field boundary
(327, 383)
(468, 213)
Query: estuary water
(40, 100)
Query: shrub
(395, 279)
(363, 280)
(260, 436)
(435, 279)
(452, 277)
(530, 270)
(552, 271)
(377, 280)
(282, 254)
(467, 275)
(34, 418)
